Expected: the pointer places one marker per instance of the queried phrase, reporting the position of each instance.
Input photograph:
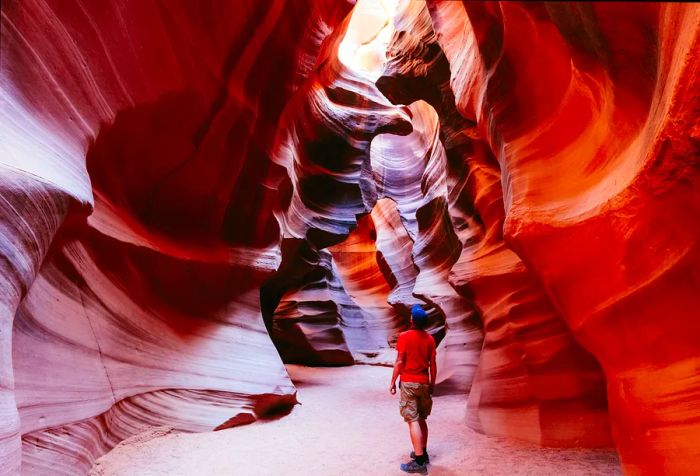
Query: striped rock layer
(532, 375)
(193, 194)
(591, 112)
(137, 228)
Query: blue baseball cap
(418, 314)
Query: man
(415, 363)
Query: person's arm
(398, 368)
(398, 365)
(433, 371)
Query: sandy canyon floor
(348, 424)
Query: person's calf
(416, 436)
(424, 430)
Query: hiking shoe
(427, 458)
(413, 467)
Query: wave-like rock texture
(358, 264)
(136, 224)
(347, 152)
(412, 172)
(534, 381)
(324, 186)
(592, 113)
(306, 325)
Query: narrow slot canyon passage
(346, 424)
(217, 220)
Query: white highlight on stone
(363, 48)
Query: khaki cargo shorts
(415, 402)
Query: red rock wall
(135, 145)
(532, 376)
(306, 324)
(592, 113)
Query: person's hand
(392, 389)
(431, 388)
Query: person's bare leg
(414, 428)
(424, 432)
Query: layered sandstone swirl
(194, 193)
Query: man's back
(418, 346)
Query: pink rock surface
(147, 312)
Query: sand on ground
(347, 424)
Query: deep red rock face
(596, 135)
(192, 194)
(532, 375)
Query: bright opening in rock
(368, 34)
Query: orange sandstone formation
(532, 375)
(592, 113)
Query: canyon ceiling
(193, 193)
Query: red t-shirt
(418, 346)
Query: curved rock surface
(597, 138)
(123, 217)
(345, 149)
(533, 377)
